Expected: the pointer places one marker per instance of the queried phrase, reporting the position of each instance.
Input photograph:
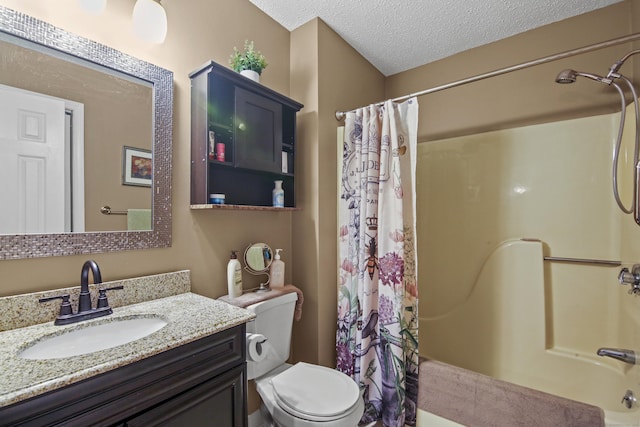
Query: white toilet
(300, 395)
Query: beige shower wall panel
(549, 182)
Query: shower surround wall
(489, 303)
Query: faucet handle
(102, 296)
(65, 307)
(627, 277)
(631, 278)
(629, 399)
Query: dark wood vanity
(196, 384)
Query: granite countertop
(189, 316)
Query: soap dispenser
(234, 276)
(277, 271)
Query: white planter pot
(251, 75)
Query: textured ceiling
(399, 35)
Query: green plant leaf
(247, 59)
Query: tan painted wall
(304, 63)
(522, 97)
(202, 31)
(326, 75)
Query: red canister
(220, 151)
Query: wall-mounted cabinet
(242, 140)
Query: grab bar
(106, 210)
(584, 261)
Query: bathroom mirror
(109, 75)
(257, 258)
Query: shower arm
(618, 64)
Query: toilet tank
(274, 320)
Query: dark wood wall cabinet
(201, 383)
(242, 139)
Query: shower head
(566, 76)
(569, 76)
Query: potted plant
(249, 62)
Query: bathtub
(427, 419)
(502, 329)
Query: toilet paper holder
(255, 347)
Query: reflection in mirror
(91, 101)
(257, 257)
(257, 260)
(45, 95)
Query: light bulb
(150, 21)
(95, 7)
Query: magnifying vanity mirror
(257, 260)
(107, 119)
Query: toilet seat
(289, 415)
(331, 396)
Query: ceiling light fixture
(150, 21)
(95, 7)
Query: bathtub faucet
(631, 278)
(627, 356)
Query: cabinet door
(258, 132)
(218, 402)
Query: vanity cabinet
(257, 128)
(197, 384)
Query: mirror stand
(264, 287)
(257, 260)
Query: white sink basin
(92, 338)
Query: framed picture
(137, 167)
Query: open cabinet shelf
(256, 126)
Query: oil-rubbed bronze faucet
(85, 311)
(84, 302)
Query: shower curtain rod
(340, 115)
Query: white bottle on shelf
(277, 271)
(234, 276)
(278, 195)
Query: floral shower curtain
(377, 337)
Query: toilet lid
(315, 391)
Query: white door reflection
(41, 153)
